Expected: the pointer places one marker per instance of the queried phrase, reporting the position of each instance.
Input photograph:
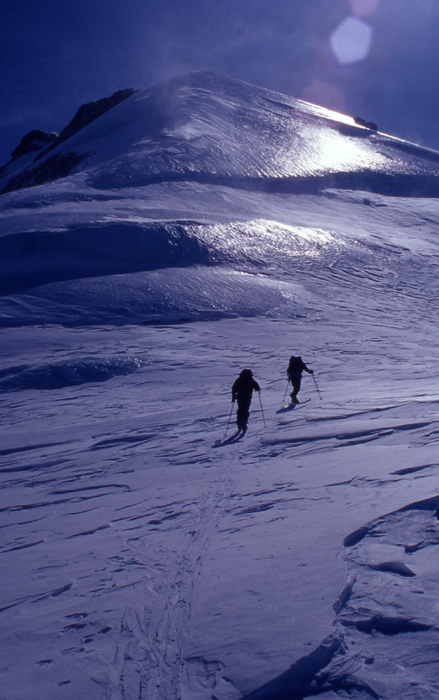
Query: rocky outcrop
(86, 114)
(34, 141)
(367, 125)
(58, 165)
(45, 169)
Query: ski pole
(317, 387)
(259, 394)
(288, 381)
(228, 422)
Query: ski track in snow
(148, 657)
(123, 606)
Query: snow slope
(147, 554)
(208, 127)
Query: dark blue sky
(58, 54)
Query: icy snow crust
(146, 554)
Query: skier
(294, 371)
(242, 391)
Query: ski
(292, 406)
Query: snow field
(144, 557)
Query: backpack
(295, 366)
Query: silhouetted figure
(295, 369)
(242, 391)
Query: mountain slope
(205, 173)
(207, 127)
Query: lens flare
(351, 41)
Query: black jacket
(297, 366)
(243, 388)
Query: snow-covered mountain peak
(208, 127)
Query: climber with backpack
(295, 369)
(242, 391)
